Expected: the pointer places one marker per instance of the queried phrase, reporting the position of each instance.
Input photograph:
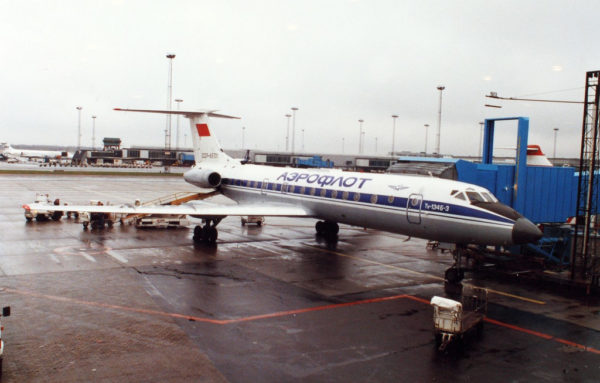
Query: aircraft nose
(524, 231)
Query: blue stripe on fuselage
(365, 198)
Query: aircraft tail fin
(207, 149)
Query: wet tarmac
(269, 304)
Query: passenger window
(302, 189)
(323, 192)
(345, 195)
(334, 194)
(356, 196)
(374, 198)
(390, 199)
(311, 191)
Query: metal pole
(178, 101)
(426, 133)
(243, 136)
(360, 136)
(394, 117)
(481, 140)
(343, 139)
(170, 56)
(93, 132)
(287, 133)
(375, 145)
(79, 128)
(554, 153)
(437, 137)
(294, 109)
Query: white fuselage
(411, 205)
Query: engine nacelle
(204, 178)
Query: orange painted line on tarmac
(201, 319)
(544, 336)
(317, 308)
(288, 313)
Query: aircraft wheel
(85, 225)
(332, 227)
(211, 235)
(454, 275)
(28, 219)
(320, 227)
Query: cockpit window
(460, 196)
(475, 197)
(488, 197)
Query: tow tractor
(42, 215)
(258, 220)
(453, 319)
(97, 220)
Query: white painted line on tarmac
(116, 256)
(53, 257)
(88, 257)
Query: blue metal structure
(542, 194)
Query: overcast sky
(338, 61)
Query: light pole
(394, 117)
(287, 133)
(93, 132)
(426, 131)
(170, 56)
(481, 123)
(294, 109)
(178, 101)
(554, 153)
(376, 145)
(302, 140)
(343, 139)
(360, 136)
(79, 127)
(437, 137)
(243, 136)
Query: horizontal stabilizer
(210, 113)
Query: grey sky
(337, 61)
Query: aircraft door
(413, 208)
(264, 186)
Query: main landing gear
(208, 233)
(327, 229)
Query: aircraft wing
(196, 208)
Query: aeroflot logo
(323, 180)
(203, 130)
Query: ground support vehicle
(42, 215)
(161, 221)
(453, 319)
(255, 219)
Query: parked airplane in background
(10, 152)
(431, 208)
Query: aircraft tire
(453, 275)
(332, 228)
(320, 227)
(211, 235)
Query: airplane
(436, 209)
(9, 152)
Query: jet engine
(203, 178)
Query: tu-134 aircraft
(435, 209)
